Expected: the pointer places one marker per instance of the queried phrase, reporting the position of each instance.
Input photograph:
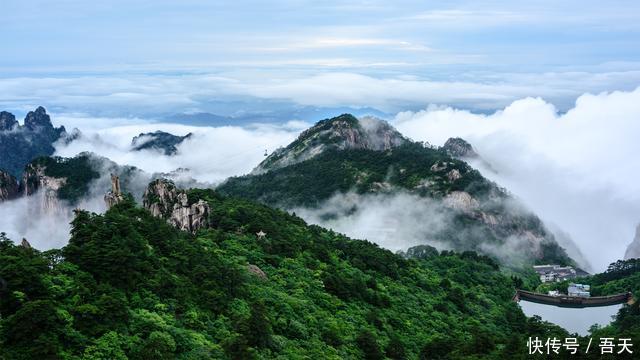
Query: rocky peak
(633, 251)
(158, 140)
(342, 132)
(459, 148)
(115, 195)
(164, 200)
(7, 121)
(9, 188)
(38, 119)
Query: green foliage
(77, 171)
(309, 182)
(128, 285)
(413, 168)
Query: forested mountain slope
(478, 214)
(128, 285)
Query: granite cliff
(164, 200)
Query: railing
(573, 301)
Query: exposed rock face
(21, 144)
(460, 200)
(9, 188)
(164, 200)
(25, 244)
(159, 140)
(37, 119)
(459, 148)
(115, 195)
(35, 181)
(342, 132)
(633, 251)
(254, 269)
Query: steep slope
(158, 140)
(9, 187)
(339, 133)
(128, 285)
(633, 251)
(477, 214)
(459, 148)
(85, 177)
(19, 144)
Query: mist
(400, 220)
(576, 170)
(210, 155)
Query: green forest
(413, 168)
(129, 286)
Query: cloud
(150, 96)
(395, 222)
(211, 155)
(577, 170)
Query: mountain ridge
(482, 215)
(341, 132)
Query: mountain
(339, 133)
(459, 148)
(85, 177)
(129, 285)
(633, 251)
(343, 155)
(19, 144)
(158, 140)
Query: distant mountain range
(159, 140)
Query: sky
(149, 58)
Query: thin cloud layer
(276, 92)
(577, 170)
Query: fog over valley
(583, 189)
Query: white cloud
(576, 170)
(211, 154)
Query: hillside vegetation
(130, 286)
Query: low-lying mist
(211, 155)
(400, 220)
(578, 171)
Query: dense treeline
(130, 286)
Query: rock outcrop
(462, 201)
(115, 195)
(459, 148)
(339, 133)
(9, 187)
(34, 180)
(633, 251)
(25, 244)
(164, 200)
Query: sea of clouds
(577, 170)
